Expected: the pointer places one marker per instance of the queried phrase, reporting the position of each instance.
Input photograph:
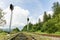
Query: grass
(39, 32)
(3, 36)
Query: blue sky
(31, 8)
(34, 6)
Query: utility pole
(27, 24)
(11, 8)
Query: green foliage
(25, 27)
(16, 30)
(49, 16)
(45, 17)
(53, 24)
(56, 8)
(39, 25)
(50, 24)
(35, 27)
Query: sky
(34, 9)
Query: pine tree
(45, 17)
(49, 16)
(56, 8)
(39, 24)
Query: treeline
(15, 30)
(50, 24)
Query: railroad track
(23, 36)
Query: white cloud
(19, 16)
(58, 0)
(33, 20)
(41, 17)
(50, 12)
(2, 5)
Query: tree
(25, 28)
(16, 30)
(35, 27)
(49, 26)
(45, 17)
(2, 21)
(39, 25)
(30, 27)
(53, 24)
(56, 8)
(49, 16)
